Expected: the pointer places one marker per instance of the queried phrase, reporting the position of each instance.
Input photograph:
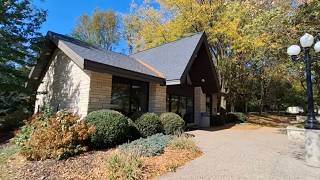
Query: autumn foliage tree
(101, 28)
(247, 38)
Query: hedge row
(60, 135)
(113, 128)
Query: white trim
(173, 82)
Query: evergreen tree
(20, 22)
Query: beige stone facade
(199, 104)
(64, 86)
(157, 98)
(100, 91)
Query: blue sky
(62, 14)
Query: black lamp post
(306, 42)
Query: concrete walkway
(245, 152)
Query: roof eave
(104, 68)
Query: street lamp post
(306, 42)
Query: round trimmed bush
(136, 115)
(111, 128)
(172, 123)
(149, 124)
(133, 133)
(236, 117)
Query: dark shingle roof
(99, 55)
(171, 58)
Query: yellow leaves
(101, 28)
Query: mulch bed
(90, 165)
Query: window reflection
(129, 96)
(181, 105)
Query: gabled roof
(168, 63)
(86, 52)
(171, 58)
(90, 57)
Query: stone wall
(214, 104)
(199, 104)
(157, 98)
(100, 91)
(64, 86)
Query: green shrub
(217, 120)
(56, 137)
(236, 117)
(149, 124)
(136, 115)
(124, 166)
(172, 123)
(111, 128)
(133, 133)
(183, 143)
(150, 146)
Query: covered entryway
(192, 96)
(180, 100)
(192, 81)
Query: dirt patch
(246, 126)
(270, 120)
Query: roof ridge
(51, 33)
(202, 32)
(87, 44)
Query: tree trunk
(246, 107)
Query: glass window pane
(120, 97)
(183, 104)
(139, 98)
(129, 96)
(175, 104)
(209, 104)
(189, 111)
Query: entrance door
(183, 106)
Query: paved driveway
(245, 152)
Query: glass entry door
(181, 105)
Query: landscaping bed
(90, 165)
(70, 148)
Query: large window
(181, 105)
(129, 96)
